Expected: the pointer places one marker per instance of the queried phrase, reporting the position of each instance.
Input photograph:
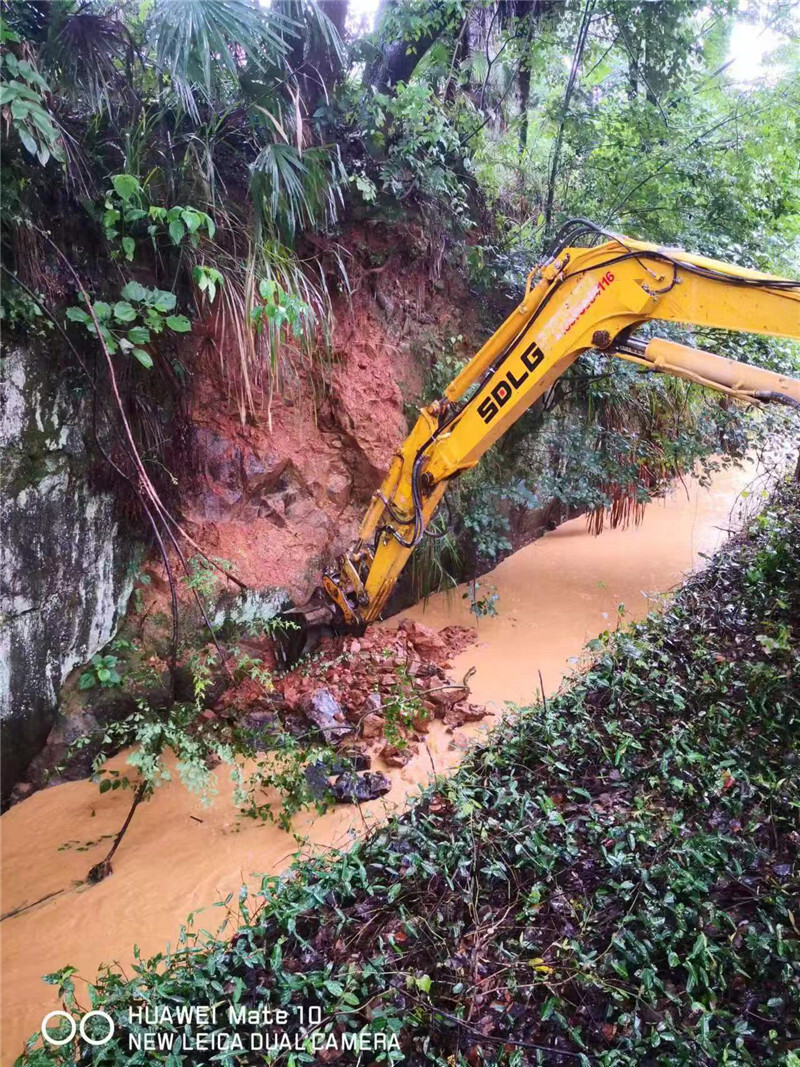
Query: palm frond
(196, 41)
(90, 53)
(319, 22)
(291, 191)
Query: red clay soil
(384, 687)
(280, 495)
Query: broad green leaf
(78, 315)
(144, 358)
(27, 140)
(179, 323)
(140, 335)
(176, 231)
(124, 312)
(125, 186)
(155, 320)
(164, 300)
(128, 247)
(134, 291)
(26, 93)
(7, 35)
(191, 219)
(43, 121)
(102, 310)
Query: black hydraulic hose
(778, 398)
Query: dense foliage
(611, 880)
(152, 166)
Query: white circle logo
(100, 1015)
(52, 1015)
(75, 1028)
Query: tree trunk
(323, 66)
(103, 869)
(524, 88)
(398, 58)
(580, 44)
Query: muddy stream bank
(180, 856)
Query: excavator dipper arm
(583, 298)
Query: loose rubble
(380, 691)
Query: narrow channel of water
(179, 856)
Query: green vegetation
(102, 670)
(222, 193)
(612, 879)
(169, 738)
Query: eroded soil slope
(282, 492)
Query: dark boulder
(322, 708)
(351, 788)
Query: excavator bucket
(304, 628)
(306, 625)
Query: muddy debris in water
(381, 690)
(395, 756)
(351, 788)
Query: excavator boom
(582, 298)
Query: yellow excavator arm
(582, 298)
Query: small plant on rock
(101, 671)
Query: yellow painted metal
(582, 299)
(742, 380)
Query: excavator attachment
(742, 381)
(581, 298)
(304, 627)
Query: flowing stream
(180, 856)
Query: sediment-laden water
(179, 856)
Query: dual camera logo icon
(77, 1027)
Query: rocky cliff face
(65, 568)
(280, 496)
(277, 496)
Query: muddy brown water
(180, 856)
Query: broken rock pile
(380, 691)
